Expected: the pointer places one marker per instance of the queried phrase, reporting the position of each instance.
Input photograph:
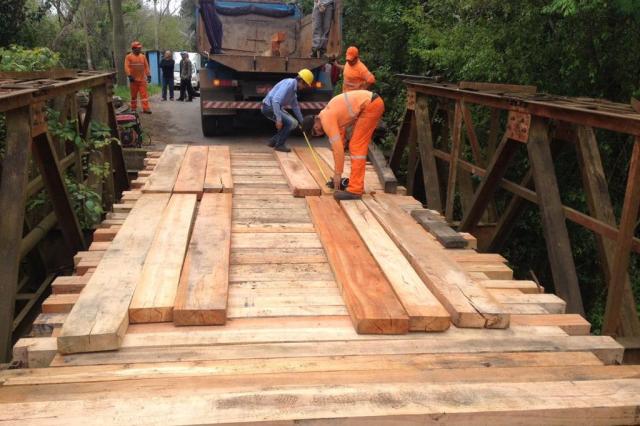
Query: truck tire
(216, 125)
(209, 126)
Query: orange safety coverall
(362, 109)
(357, 77)
(137, 67)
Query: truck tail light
(318, 85)
(225, 83)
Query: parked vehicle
(264, 42)
(195, 60)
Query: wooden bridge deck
(288, 351)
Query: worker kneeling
(360, 108)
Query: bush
(18, 58)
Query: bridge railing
(437, 117)
(35, 160)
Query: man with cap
(285, 95)
(137, 69)
(356, 74)
(361, 109)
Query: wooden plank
(264, 215)
(260, 171)
(552, 303)
(44, 324)
(166, 172)
(554, 226)
(202, 293)
(369, 297)
(105, 234)
(439, 229)
(59, 303)
(424, 310)
(70, 284)
(607, 350)
(426, 362)
(298, 177)
(267, 202)
(572, 324)
(280, 272)
(628, 223)
(261, 190)
(303, 311)
(321, 173)
(260, 180)
(279, 240)
(218, 174)
(155, 293)
(99, 245)
(257, 227)
(99, 319)
(190, 179)
(277, 255)
(495, 271)
(385, 174)
(468, 304)
(528, 287)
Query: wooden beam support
(628, 224)
(402, 140)
(13, 187)
(45, 157)
(599, 202)
(100, 114)
(492, 178)
(427, 159)
(453, 164)
(553, 221)
(120, 176)
(385, 174)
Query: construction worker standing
(137, 69)
(321, 18)
(361, 109)
(356, 74)
(285, 95)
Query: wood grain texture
(166, 172)
(469, 304)
(203, 288)
(298, 177)
(320, 171)
(190, 179)
(369, 297)
(218, 174)
(99, 319)
(155, 293)
(424, 310)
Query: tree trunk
(87, 42)
(119, 45)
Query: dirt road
(179, 122)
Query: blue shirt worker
(282, 96)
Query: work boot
(346, 195)
(283, 148)
(271, 143)
(146, 112)
(314, 53)
(321, 54)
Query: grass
(123, 91)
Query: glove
(148, 79)
(131, 79)
(344, 184)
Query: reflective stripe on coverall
(354, 108)
(137, 67)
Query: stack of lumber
(192, 169)
(266, 308)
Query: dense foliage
(568, 47)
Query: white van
(195, 60)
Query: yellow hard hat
(306, 76)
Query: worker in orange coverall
(361, 109)
(356, 74)
(137, 69)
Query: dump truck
(263, 42)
